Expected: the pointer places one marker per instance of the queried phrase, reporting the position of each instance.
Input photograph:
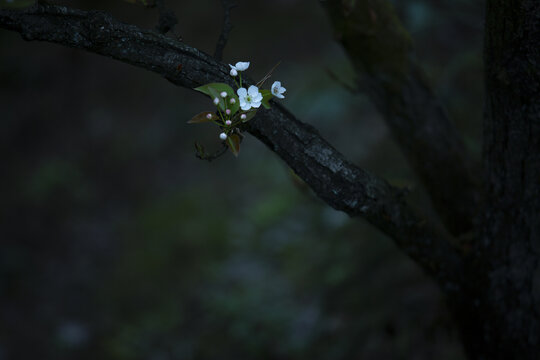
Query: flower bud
(233, 72)
(216, 101)
(232, 101)
(223, 136)
(223, 94)
(228, 122)
(209, 116)
(228, 111)
(243, 116)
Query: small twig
(201, 154)
(225, 30)
(346, 86)
(267, 76)
(167, 19)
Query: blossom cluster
(252, 97)
(234, 108)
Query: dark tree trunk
(502, 317)
(498, 304)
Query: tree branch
(342, 185)
(380, 50)
(225, 30)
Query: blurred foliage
(14, 4)
(117, 243)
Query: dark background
(116, 242)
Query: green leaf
(202, 118)
(215, 94)
(267, 96)
(233, 141)
(215, 89)
(249, 115)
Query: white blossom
(233, 72)
(228, 111)
(278, 90)
(228, 122)
(223, 94)
(239, 66)
(243, 116)
(233, 101)
(216, 101)
(223, 136)
(250, 98)
(209, 116)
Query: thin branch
(167, 18)
(380, 50)
(225, 30)
(339, 183)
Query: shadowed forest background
(116, 242)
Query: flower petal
(245, 106)
(242, 92)
(257, 97)
(253, 90)
(241, 66)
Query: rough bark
(509, 294)
(380, 49)
(339, 183)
